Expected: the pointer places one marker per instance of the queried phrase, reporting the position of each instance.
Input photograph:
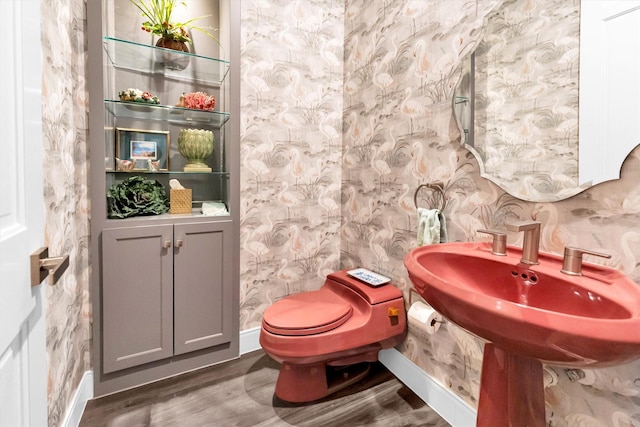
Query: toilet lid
(306, 313)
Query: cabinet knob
(167, 244)
(179, 243)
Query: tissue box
(180, 201)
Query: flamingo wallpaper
(291, 154)
(401, 63)
(65, 132)
(346, 109)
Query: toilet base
(306, 383)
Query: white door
(23, 370)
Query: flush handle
(41, 266)
(394, 314)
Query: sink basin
(537, 311)
(528, 314)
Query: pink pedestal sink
(528, 315)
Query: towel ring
(434, 186)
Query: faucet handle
(572, 262)
(499, 246)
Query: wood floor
(240, 394)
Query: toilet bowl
(324, 339)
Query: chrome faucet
(531, 244)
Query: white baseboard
(447, 404)
(250, 340)
(79, 401)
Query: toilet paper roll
(423, 318)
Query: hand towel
(214, 209)
(431, 227)
(443, 228)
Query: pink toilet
(322, 338)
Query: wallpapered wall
(401, 64)
(65, 104)
(315, 189)
(290, 149)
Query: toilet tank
(372, 294)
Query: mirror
(517, 104)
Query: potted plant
(173, 35)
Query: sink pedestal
(511, 390)
(527, 314)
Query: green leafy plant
(136, 196)
(158, 14)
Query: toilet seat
(307, 313)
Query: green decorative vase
(196, 145)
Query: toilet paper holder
(413, 291)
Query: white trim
(250, 340)
(447, 404)
(82, 395)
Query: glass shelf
(178, 115)
(196, 212)
(146, 172)
(169, 63)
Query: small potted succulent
(173, 34)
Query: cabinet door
(202, 285)
(137, 296)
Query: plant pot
(172, 54)
(196, 145)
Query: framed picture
(144, 149)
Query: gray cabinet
(163, 292)
(137, 296)
(202, 306)
(164, 288)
